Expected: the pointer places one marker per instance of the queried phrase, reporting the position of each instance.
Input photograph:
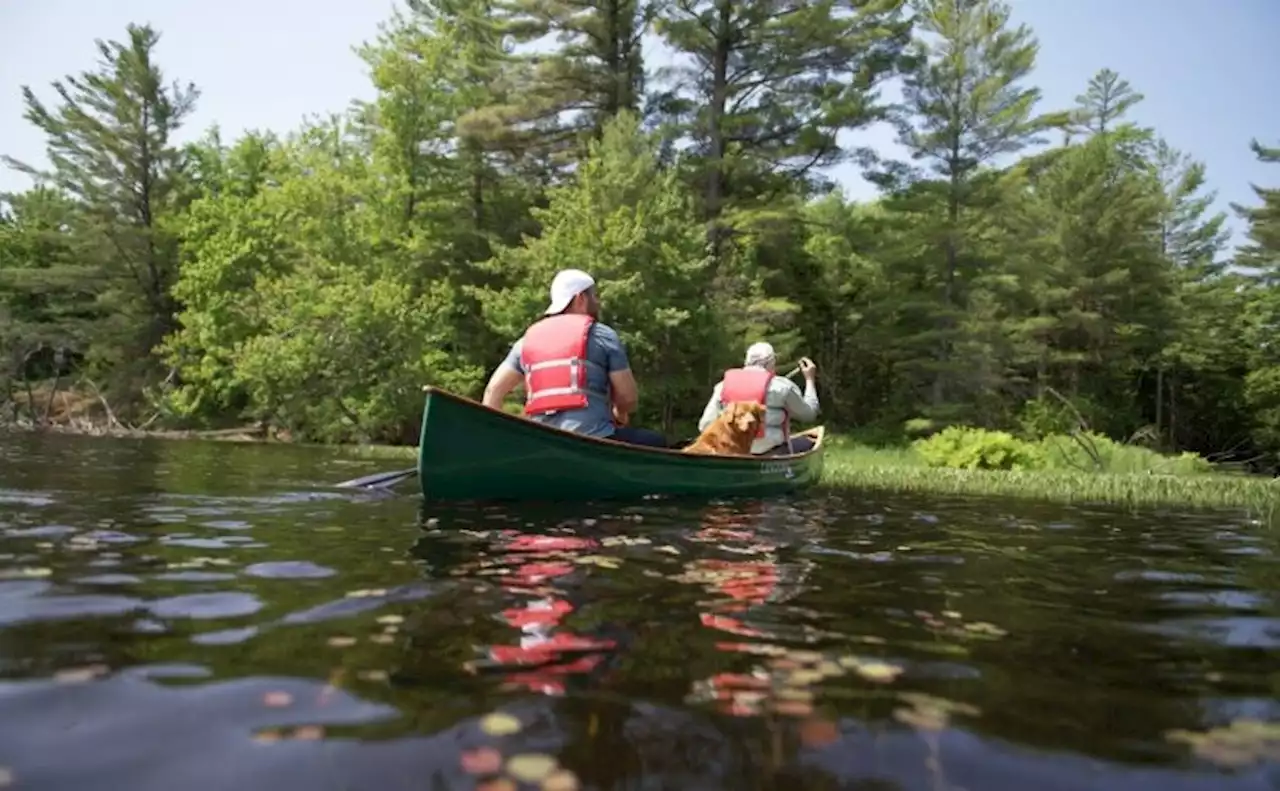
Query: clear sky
(1207, 68)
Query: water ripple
(347, 639)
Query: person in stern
(574, 368)
(757, 382)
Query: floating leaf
(829, 668)
(804, 678)
(930, 713)
(560, 780)
(597, 560)
(382, 639)
(79, 675)
(982, 627)
(793, 708)
(341, 641)
(790, 693)
(879, 672)
(25, 573)
(499, 724)
(1242, 743)
(391, 619)
(531, 767)
(366, 593)
(373, 675)
(481, 761)
(277, 699)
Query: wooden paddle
(379, 480)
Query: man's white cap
(568, 283)
(759, 354)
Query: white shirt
(783, 397)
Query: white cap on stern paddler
(567, 284)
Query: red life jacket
(554, 358)
(751, 384)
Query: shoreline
(1256, 495)
(854, 467)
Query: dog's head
(745, 417)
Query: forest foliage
(1023, 266)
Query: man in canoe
(756, 381)
(574, 368)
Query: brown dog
(732, 432)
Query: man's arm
(622, 383)
(505, 378)
(802, 407)
(712, 410)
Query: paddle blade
(379, 479)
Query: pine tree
(110, 145)
(1099, 285)
(1106, 100)
(1260, 256)
(1199, 346)
(598, 69)
(965, 108)
(47, 298)
(763, 88)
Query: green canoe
(470, 452)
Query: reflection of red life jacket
(554, 357)
(539, 649)
(751, 384)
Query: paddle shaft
(379, 479)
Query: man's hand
(809, 370)
(620, 418)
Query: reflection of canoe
(468, 451)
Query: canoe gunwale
(816, 433)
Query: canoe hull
(470, 452)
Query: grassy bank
(903, 470)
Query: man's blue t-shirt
(604, 349)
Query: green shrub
(1066, 452)
(1041, 417)
(919, 426)
(962, 447)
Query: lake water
(183, 616)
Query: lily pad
(499, 724)
(531, 767)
